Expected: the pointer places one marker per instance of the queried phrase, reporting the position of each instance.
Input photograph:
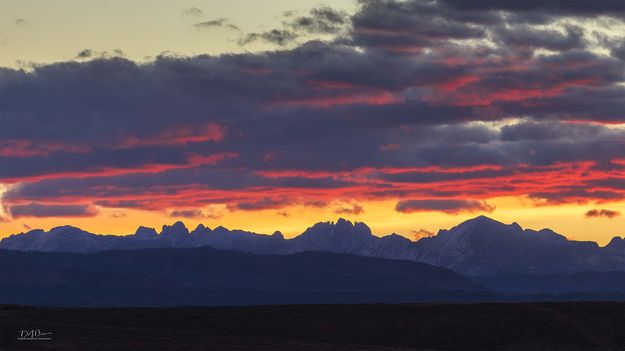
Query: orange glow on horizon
(567, 220)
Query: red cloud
(29, 148)
(178, 135)
(431, 188)
(375, 98)
(192, 161)
(510, 94)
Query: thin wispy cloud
(217, 23)
(192, 12)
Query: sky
(410, 116)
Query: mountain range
(479, 247)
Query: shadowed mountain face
(482, 246)
(204, 276)
(477, 247)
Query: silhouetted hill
(204, 276)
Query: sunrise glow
(283, 115)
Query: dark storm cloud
(580, 8)
(409, 25)
(101, 99)
(533, 131)
(442, 205)
(619, 52)
(45, 210)
(528, 37)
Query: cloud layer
(438, 105)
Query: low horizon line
(333, 222)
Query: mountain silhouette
(483, 246)
(478, 247)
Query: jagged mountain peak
(201, 229)
(342, 222)
(479, 246)
(617, 243)
(362, 226)
(221, 229)
(340, 227)
(179, 224)
(146, 233)
(481, 222)
(340, 236)
(177, 228)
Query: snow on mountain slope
(480, 246)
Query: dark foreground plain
(524, 326)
